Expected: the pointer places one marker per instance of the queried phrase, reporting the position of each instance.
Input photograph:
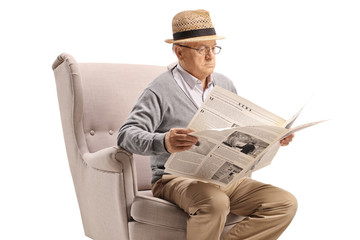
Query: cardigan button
(111, 132)
(92, 132)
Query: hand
(287, 140)
(177, 140)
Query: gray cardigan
(163, 105)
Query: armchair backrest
(104, 96)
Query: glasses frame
(208, 49)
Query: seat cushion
(155, 211)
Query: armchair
(112, 185)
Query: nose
(209, 54)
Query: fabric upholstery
(112, 185)
(106, 92)
(105, 88)
(155, 211)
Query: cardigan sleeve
(139, 134)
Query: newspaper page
(236, 138)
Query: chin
(210, 70)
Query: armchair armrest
(104, 181)
(105, 160)
(119, 161)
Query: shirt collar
(191, 80)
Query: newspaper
(236, 138)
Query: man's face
(200, 66)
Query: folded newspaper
(236, 138)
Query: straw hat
(192, 26)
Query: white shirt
(191, 85)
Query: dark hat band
(194, 33)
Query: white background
(280, 55)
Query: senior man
(157, 127)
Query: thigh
(250, 195)
(188, 194)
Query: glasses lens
(206, 50)
(202, 50)
(216, 50)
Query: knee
(218, 205)
(290, 204)
(210, 201)
(280, 202)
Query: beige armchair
(112, 185)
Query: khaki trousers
(269, 209)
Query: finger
(182, 130)
(290, 137)
(285, 142)
(186, 142)
(182, 135)
(190, 139)
(182, 148)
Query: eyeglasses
(204, 50)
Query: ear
(178, 52)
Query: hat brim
(195, 39)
